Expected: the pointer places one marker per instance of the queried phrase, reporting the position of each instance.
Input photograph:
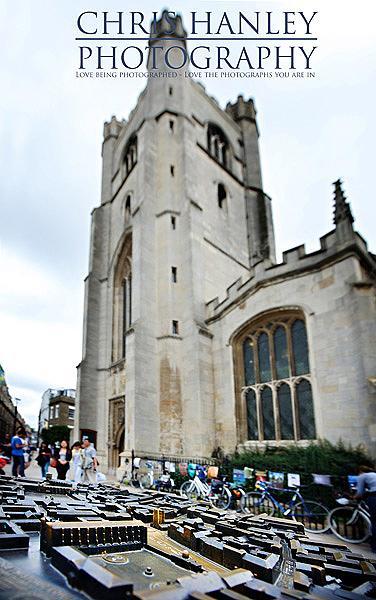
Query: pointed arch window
(122, 302)
(275, 393)
(127, 311)
(218, 145)
(130, 155)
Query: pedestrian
(77, 458)
(18, 443)
(366, 490)
(43, 459)
(7, 446)
(62, 456)
(27, 453)
(89, 462)
(3, 462)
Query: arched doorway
(117, 447)
(120, 447)
(116, 432)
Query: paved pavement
(34, 471)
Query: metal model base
(61, 541)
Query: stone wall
(339, 308)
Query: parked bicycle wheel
(193, 493)
(257, 503)
(185, 487)
(350, 524)
(221, 499)
(313, 515)
(145, 481)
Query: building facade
(57, 408)
(194, 337)
(10, 418)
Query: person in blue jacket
(18, 444)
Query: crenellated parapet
(296, 261)
(242, 109)
(168, 26)
(112, 128)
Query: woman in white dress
(77, 462)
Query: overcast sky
(312, 132)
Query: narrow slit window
(174, 274)
(170, 90)
(172, 170)
(128, 205)
(175, 327)
(222, 195)
(173, 222)
(171, 125)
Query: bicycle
(144, 481)
(313, 515)
(351, 522)
(216, 493)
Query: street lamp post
(15, 415)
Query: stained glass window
(305, 408)
(268, 414)
(249, 367)
(252, 415)
(281, 353)
(300, 347)
(285, 412)
(264, 358)
(277, 357)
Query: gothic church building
(194, 337)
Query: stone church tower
(183, 215)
